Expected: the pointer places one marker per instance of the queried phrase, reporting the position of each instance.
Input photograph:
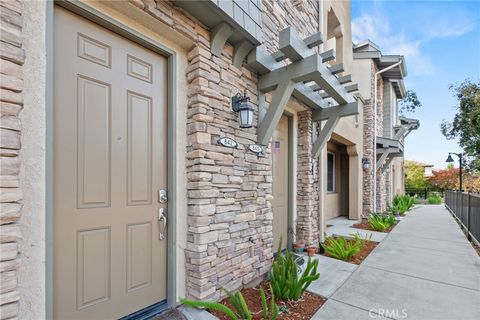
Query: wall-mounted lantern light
(244, 108)
(366, 164)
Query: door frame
(119, 28)
(292, 173)
(290, 180)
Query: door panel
(280, 183)
(110, 155)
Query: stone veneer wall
(229, 237)
(12, 57)
(368, 149)
(368, 154)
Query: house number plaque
(227, 142)
(255, 148)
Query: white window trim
(333, 169)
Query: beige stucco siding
(32, 271)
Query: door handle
(162, 219)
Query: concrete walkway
(424, 269)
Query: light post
(450, 160)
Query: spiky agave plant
(341, 248)
(242, 312)
(267, 314)
(284, 278)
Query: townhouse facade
(382, 86)
(128, 180)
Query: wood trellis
(387, 150)
(392, 148)
(286, 80)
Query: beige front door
(110, 138)
(280, 183)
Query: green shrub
(240, 306)
(381, 222)
(391, 209)
(343, 249)
(284, 278)
(434, 199)
(403, 203)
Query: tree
(410, 103)
(466, 124)
(414, 176)
(449, 179)
(445, 179)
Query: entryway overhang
(406, 126)
(238, 22)
(387, 150)
(305, 78)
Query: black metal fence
(424, 193)
(465, 207)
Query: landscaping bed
(357, 258)
(302, 309)
(365, 225)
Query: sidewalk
(424, 269)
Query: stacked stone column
(307, 193)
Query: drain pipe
(374, 164)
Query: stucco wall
(32, 271)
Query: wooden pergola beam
(382, 159)
(275, 110)
(297, 71)
(387, 163)
(314, 40)
(324, 135)
(262, 61)
(344, 110)
(338, 68)
(292, 45)
(328, 55)
(329, 83)
(399, 134)
(306, 95)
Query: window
(330, 172)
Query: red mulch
(366, 226)
(363, 254)
(302, 309)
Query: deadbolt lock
(162, 196)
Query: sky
(441, 44)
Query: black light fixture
(244, 108)
(366, 164)
(450, 160)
